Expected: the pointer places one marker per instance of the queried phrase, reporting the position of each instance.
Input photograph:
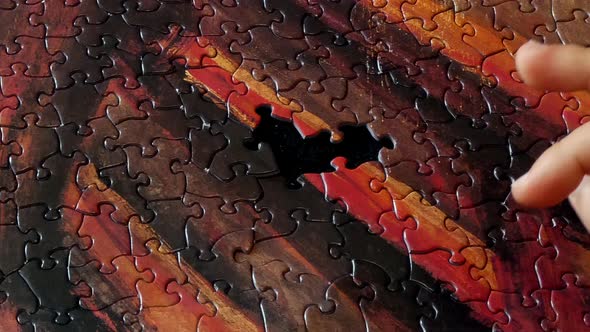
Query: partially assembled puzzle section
(171, 165)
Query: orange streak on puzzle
(351, 187)
(142, 232)
(372, 209)
(499, 66)
(471, 280)
(426, 223)
(228, 316)
(286, 246)
(228, 82)
(432, 221)
(447, 32)
(109, 241)
(90, 177)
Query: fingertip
(545, 184)
(520, 184)
(554, 67)
(530, 62)
(530, 196)
(521, 192)
(527, 49)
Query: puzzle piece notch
(66, 101)
(139, 132)
(99, 297)
(287, 300)
(18, 13)
(571, 32)
(570, 305)
(62, 170)
(51, 286)
(564, 10)
(57, 233)
(33, 55)
(58, 16)
(330, 315)
(17, 297)
(31, 156)
(97, 228)
(14, 256)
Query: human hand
(561, 171)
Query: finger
(580, 201)
(554, 67)
(557, 172)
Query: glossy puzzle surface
(282, 166)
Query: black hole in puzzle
(296, 156)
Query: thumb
(554, 67)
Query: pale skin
(563, 171)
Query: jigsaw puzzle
(329, 165)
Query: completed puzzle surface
(283, 166)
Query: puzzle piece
(569, 31)
(26, 90)
(16, 297)
(332, 316)
(51, 286)
(18, 12)
(37, 65)
(276, 277)
(31, 157)
(572, 293)
(52, 233)
(125, 275)
(65, 103)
